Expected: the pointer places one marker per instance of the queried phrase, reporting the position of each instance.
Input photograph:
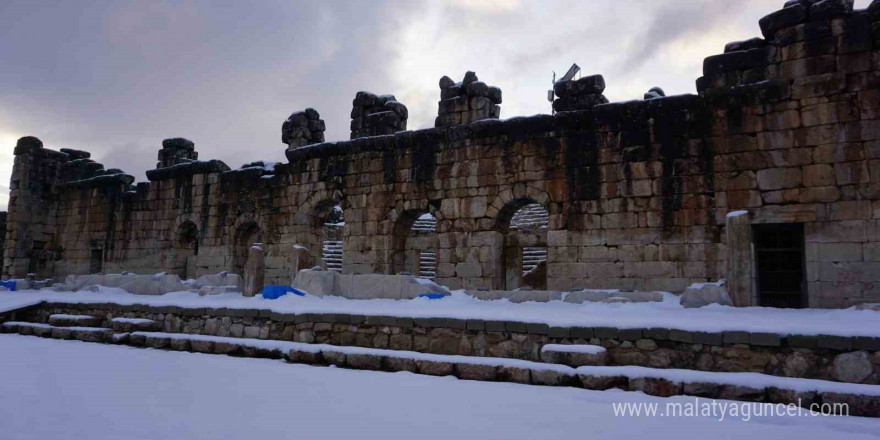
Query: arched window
(245, 237)
(415, 244)
(524, 223)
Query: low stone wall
(845, 359)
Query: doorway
(779, 250)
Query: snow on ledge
(665, 314)
(737, 214)
(133, 320)
(71, 317)
(752, 380)
(573, 348)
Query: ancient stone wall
(805, 356)
(784, 128)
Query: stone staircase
(332, 255)
(428, 264)
(530, 216)
(426, 224)
(560, 361)
(531, 257)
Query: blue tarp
(273, 292)
(8, 284)
(432, 295)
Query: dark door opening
(779, 251)
(96, 261)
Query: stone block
(657, 334)
(361, 361)
(469, 371)
(818, 175)
(559, 332)
(605, 332)
(801, 341)
(514, 374)
(735, 337)
(434, 368)
(681, 336)
(835, 342)
(708, 338)
(655, 386)
(765, 339)
(629, 334)
(779, 178)
(537, 328)
(550, 377)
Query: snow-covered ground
(665, 314)
(52, 389)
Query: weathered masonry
(769, 177)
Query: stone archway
(246, 235)
(310, 222)
(414, 243)
(524, 222)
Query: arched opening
(246, 236)
(415, 245)
(186, 248)
(524, 224)
(332, 239)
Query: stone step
(134, 324)
(574, 355)
(86, 334)
(863, 400)
(63, 320)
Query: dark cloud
(672, 21)
(116, 78)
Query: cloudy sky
(115, 77)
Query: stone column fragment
(254, 271)
(739, 259)
(299, 260)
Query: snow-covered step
(134, 324)
(863, 400)
(530, 216)
(428, 264)
(532, 256)
(63, 320)
(332, 254)
(424, 225)
(87, 334)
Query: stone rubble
(467, 101)
(376, 115)
(303, 128)
(580, 94)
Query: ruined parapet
(175, 151)
(375, 115)
(467, 101)
(303, 128)
(81, 171)
(31, 217)
(806, 38)
(581, 94)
